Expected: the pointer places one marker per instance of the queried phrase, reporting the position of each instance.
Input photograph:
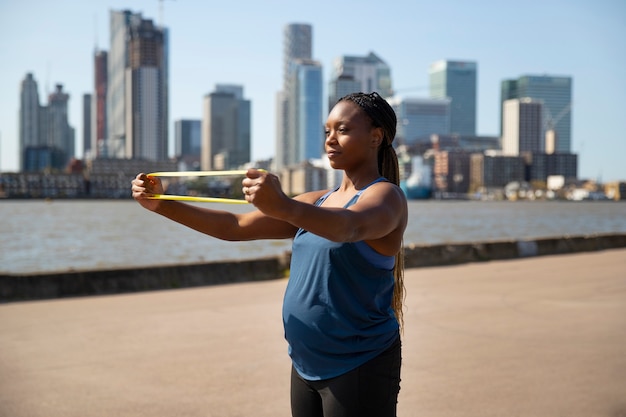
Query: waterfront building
(456, 80)
(101, 178)
(555, 92)
(137, 93)
(420, 118)
(542, 165)
(226, 129)
(303, 177)
(522, 126)
(188, 143)
(451, 171)
(353, 74)
(490, 170)
(43, 158)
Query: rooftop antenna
(47, 78)
(161, 23)
(95, 29)
(161, 13)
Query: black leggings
(371, 390)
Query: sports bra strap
(353, 199)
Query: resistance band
(199, 174)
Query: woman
(342, 309)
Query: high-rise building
(226, 129)
(146, 115)
(117, 62)
(29, 120)
(419, 118)
(188, 143)
(299, 104)
(99, 106)
(137, 93)
(46, 137)
(297, 44)
(457, 81)
(305, 114)
(555, 92)
(353, 74)
(522, 122)
(87, 118)
(60, 133)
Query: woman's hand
(263, 190)
(143, 187)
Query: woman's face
(351, 139)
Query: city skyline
(215, 44)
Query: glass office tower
(456, 80)
(555, 92)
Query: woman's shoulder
(386, 188)
(311, 197)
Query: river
(64, 235)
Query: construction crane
(550, 127)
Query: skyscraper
(522, 123)
(226, 129)
(457, 81)
(353, 74)
(146, 116)
(297, 44)
(419, 118)
(555, 92)
(117, 62)
(46, 137)
(87, 118)
(137, 93)
(29, 116)
(60, 134)
(299, 104)
(306, 117)
(99, 106)
(188, 143)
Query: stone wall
(116, 281)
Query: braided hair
(383, 116)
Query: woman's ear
(377, 136)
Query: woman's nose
(330, 136)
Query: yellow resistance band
(199, 174)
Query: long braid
(383, 116)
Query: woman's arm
(220, 224)
(378, 217)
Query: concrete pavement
(543, 336)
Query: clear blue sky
(241, 42)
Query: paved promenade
(534, 337)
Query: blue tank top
(337, 310)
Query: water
(42, 236)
